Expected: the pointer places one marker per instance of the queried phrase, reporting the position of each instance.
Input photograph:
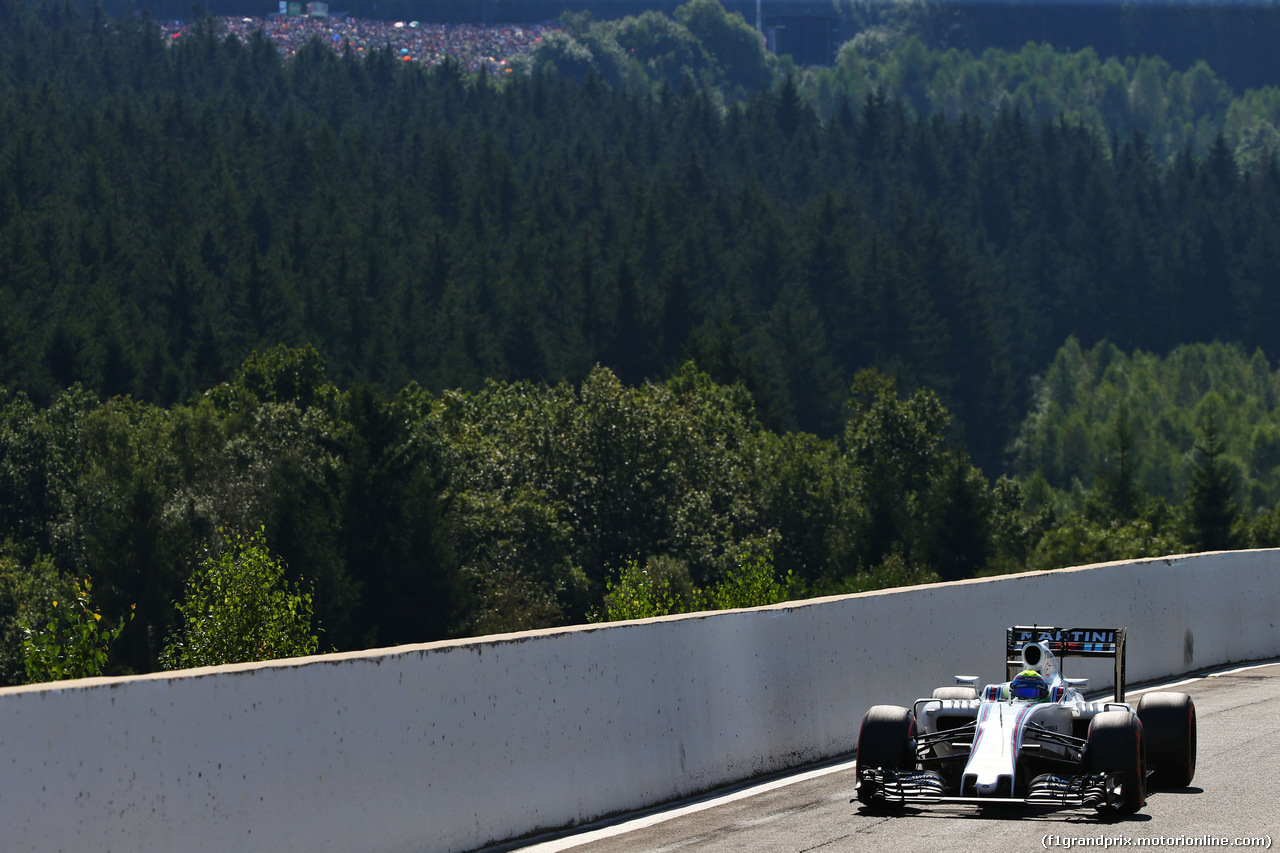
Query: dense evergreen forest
(167, 210)
(464, 346)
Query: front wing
(879, 786)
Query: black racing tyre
(887, 738)
(955, 693)
(1169, 723)
(1116, 745)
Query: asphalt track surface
(1234, 796)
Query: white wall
(449, 746)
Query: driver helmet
(1029, 685)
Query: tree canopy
(170, 209)
(467, 351)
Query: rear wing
(1067, 642)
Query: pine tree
(1210, 510)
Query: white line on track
(1230, 669)
(572, 841)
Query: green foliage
(1116, 97)
(894, 571)
(898, 443)
(240, 607)
(564, 55)
(548, 485)
(285, 374)
(637, 594)
(807, 489)
(753, 583)
(1077, 541)
(1117, 476)
(703, 43)
(26, 590)
(923, 500)
(1210, 509)
(642, 592)
(1176, 452)
(666, 48)
(425, 516)
(70, 639)
(737, 49)
(1130, 422)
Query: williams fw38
(1032, 739)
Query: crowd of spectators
(474, 47)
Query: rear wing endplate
(1067, 642)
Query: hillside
(168, 210)
(468, 345)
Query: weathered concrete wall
(448, 746)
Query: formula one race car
(1032, 739)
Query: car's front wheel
(1116, 745)
(886, 741)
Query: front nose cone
(988, 786)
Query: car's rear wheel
(955, 693)
(1169, 723)
(1116, 745)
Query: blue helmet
(1029, 685)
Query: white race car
(1032, 739)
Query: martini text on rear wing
(1068, 642)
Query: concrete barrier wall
(450, 746)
